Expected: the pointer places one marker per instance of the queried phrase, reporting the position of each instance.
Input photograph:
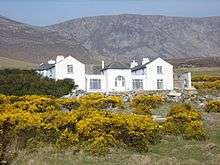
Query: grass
(6, 63)
(211, 71)
(171, 150)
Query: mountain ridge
(112, 37)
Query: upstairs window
(70, 69)
(160, 84)
(137, 84)
(95, 84)
(159, 70)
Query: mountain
(36, 44)
(118, 37)
(141, 36)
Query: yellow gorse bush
(41, 118)
(213, 106)
(100, 101)
(215, 85)
(143, 103)
(87, 124)
(205, 78)
(184, 120)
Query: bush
(131, 130)
(100, 101)
(40, 119)
(28, 82)
(184, 120)
(205, 78)
(207, 85)
(143, 103)
(69, 104)
(213, 106)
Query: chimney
(145, 60)
(133, 64)
(59, 58)
(51, 62)
(103, 64)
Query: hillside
(141, 36)
(35, 44)
(120, 37)
(6, 63)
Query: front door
(120, 83)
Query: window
(95, 83)
(159, 70)
(50, 73)
(69, 68)
(119, 81)
(137, 84)
(159, 84)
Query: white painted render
(152, 76)
(108, 77)
(78, 74)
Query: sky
(48, 12)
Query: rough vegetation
(183, 119)
(23, 82)
(142, 104)
(213, 106)
(88, 124)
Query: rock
(158, 118)
(174, 94)
(3, 162)
(211, 147)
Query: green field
(6, 63)
(212, 71)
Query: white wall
(110, 76)
(152, 75)
(50, 73)
(78, 71)
(149, 75)
(138, 72)
(186, 78)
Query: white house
(150, 75)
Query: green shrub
(28, 82)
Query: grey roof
(140, 66)
(45, 67)
(116, 65)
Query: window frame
(160, 84)
(140, 85)
(93, 86)
(120, 78)
(71, 70)
(159, 69)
